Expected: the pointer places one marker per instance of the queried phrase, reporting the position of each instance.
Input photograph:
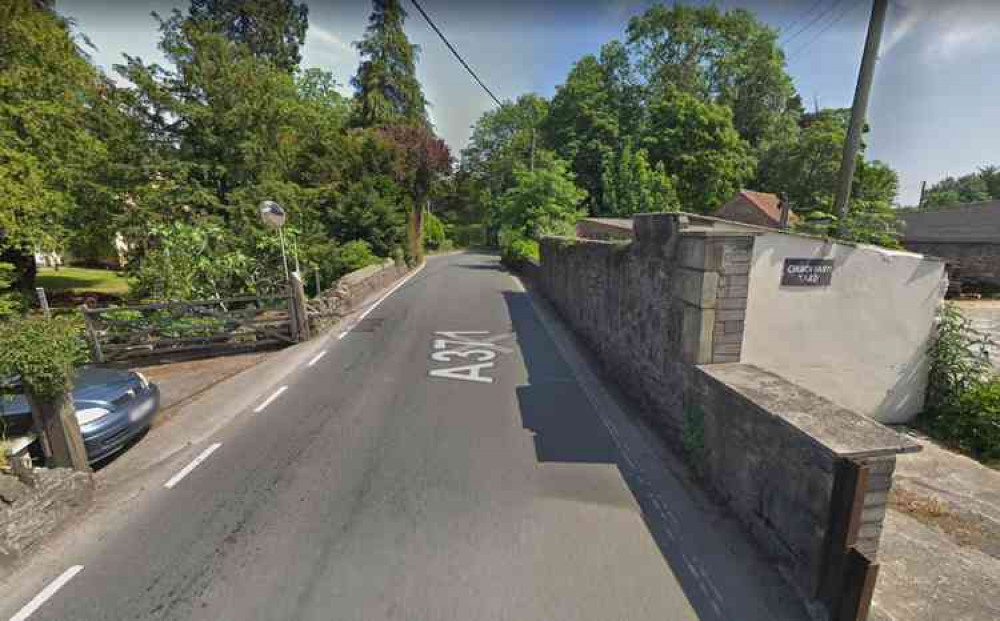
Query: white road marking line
(362, 316)
(317, 358)
(270, 400)
(188, 468)
(47, 593)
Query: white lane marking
(270, 400)
(47, 593)
(317, 358)
(362, 316)
(188, 468)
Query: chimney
(786, 210)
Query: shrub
(963, 393)
(434, 235)
(516, 251)
(44, 353)
(355, 255)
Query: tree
(273, 30)
(982, 185)
(501, 141)
(630, 185)
(542, 202)
(386, 85)
(583, 124)
(698, 145)
(729, 58)
(420, 158)
(804, 166)
(50, 152)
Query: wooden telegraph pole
(858, 110)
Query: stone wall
(770, 450)
(971, 264)
(620, 300)
(30, 513)
(666, 316)
(349, 292)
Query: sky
(932, 113)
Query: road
(404, 473)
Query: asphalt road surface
(444, 460)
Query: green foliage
(434, 235)
(982, 185)
(630, 185)
(11, 303)
(188, 262)
(53, 119)
(727, 58)
(44, 353)
(386, 88)
(698, 145)
(273, 30)
(516, 251)
(355, 255)
(543, 202)
(963, 393)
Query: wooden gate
(204, 327)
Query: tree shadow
(722, 574)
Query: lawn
(80, 280)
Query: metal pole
(858, 110)
(284, 258)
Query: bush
(11, 302)
(43, 353)
(355, 255)
(518, 250)
(963, 393)
(434, 235)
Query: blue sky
(933, 110)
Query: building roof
(970, 223)
(768, 203)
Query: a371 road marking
(474, 347)
(47, 593)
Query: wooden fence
(203, 327)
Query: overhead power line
(795, 22)
(847, 11)
(455, 52)
(813, 21)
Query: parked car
(112, 406)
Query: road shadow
(722, 574)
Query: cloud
(325, 38)
(943, 31)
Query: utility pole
(858, 110)
(923, 192)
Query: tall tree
(51, 153)
(584, 121)
(386, 85)
(421, 158)
(697, 144)
(273, 30)
(729, 58)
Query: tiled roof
(970, 223)
(769, 203)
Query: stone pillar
(713, 280)
(57, 426)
